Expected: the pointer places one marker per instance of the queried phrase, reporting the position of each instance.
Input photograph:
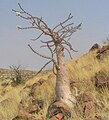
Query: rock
(87, 103)
(103, 49)
(33, 88)
(90, 110)
(40, 103)
(101, 79)
(36, 86)
(59, 107)
(24, 114)
(87, 96)
(27, 113)
(103, 52)
(32, 108)
(59, 116)
(94, 47)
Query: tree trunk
(63, 92)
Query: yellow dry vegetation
(81, 70)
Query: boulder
(60, 109)
(27, 113)
(103, 52)
(101, 79)
(88, 105)
(90, 110)
(94, 47)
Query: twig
(39, 53)
(43, 67)
(37, 37)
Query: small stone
(89, 110)
(59, 116)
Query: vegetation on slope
(40, 90)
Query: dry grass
(80, 70)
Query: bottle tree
(57, 44)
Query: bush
(18, 77)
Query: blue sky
(94, 15)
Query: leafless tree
(17, 78)
(57, 44)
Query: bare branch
(15, 68)
(59, 35)
(38, 53)
(69, 17)
(69, 45)
(22, 28)
(50, 50)
(37, 37)
(21, 8)
(54, 70)
(68, 52)
(47, 41)
(64, 27)
(57, 67)
(44, 67)
(24, 17)
(46, 45)
(36, 21)
(17, 11)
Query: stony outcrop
(94, 47)
(32, 104)
(27, 113)
(101, 79)
(89, 106)
(60, 110)
(103, 52)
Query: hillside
(30, 100)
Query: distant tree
(57, 44)
(18, 77)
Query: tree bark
(63, 92)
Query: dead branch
(39, 53)
(47, 41)
(46, 46)
(64, 27)
(69, 17)
(22, 28)
(68, 52)
(69, 45)
(54, 62)
(37, 37)
(36, 21)
(43, 67)
(54, 69)
(50, 50)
